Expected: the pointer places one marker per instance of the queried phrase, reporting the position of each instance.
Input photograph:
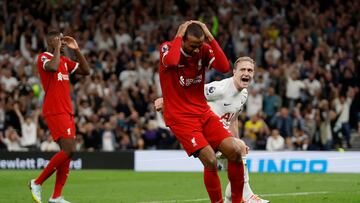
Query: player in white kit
(226, 99)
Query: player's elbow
(170, 63)
(86, 71)
(226, 67)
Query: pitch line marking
(263, 195)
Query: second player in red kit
(55, 69)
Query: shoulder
(164, 47)
(212, 86)
(216, 88)
(44, 55)
(219, 83)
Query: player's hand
(247, 148)
(182, 28)
(16, 106)
(71, 42)
(56, 43)
(159, 102)
(207, 32)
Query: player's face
(243, 74)
(63, 44)
(191, 45)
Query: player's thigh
(190, 135)
(61, 126)
(215, 132)
(207, 157)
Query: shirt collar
(183, 52)
(49, 53)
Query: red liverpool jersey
(182, 79)
(56, 85)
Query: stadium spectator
(49, 145)
(28, 128)
(300, 140)
(12, 140)
(275, 142)
(310, 39)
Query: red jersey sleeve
(220, 62)
(209, 55)
(42, 60)
(170, 53)
(70, 65)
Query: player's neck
(50, 50)
(237, 86)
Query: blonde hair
(243, 59)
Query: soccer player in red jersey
(54, 70)
(183, 62)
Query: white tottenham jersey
(225, 100)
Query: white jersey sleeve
(215, 90)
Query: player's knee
(210, 162)
(69, 149)
(242, 146)
(235, 156)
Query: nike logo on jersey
(225, 104)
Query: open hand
(71, 42)
(207, 32)
(182, 28)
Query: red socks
(61, 175)
(56, 161)
(212, 184)
(236, 177)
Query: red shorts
(195, 134)
(61, 126)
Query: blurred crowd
(305, 94)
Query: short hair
(194, 30)
(52, 33)
(243, 59)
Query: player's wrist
(179, 36)
(210, 38)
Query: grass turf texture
(95, 186)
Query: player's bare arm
(53, 64)
(18, 113)
(84, 68)
(182, 28)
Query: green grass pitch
(111, 186)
